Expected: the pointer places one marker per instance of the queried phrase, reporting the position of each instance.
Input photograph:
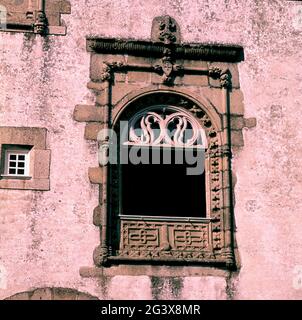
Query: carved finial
(225, 79)
(40, 25)
(108, 68)
(165, 29)
(214, 72)
(106, 74)
(223, 75)
(100, 255)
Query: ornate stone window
(162, 226)
(175, 98)
(34, 16)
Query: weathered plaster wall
(46, 237)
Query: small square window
(16, 161)
(24, 159)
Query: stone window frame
(217, 223)
(220, 251)
(34, 139)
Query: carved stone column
(101, 252)
(225, 81)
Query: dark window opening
(163, 189)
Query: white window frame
(17, 152)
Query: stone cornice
(206, 52)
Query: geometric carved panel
(157, 239)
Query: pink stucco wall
(46, 237)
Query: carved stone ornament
(165, 29)
(40, 25)
(168, 69)
(162, 126)
(223, 75)
(106, 72)
(100, 255)
(108, 68)
(146, 239)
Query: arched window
(163, 173)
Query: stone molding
(205, 52)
